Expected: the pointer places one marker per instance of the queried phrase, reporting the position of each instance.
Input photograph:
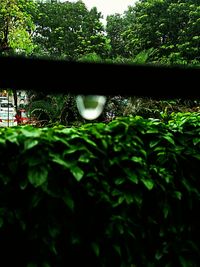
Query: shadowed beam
(98, 78)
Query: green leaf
(106, 186)
(149, 184)
(183, 262)
(117, 148)
(5, 178)
(138, 139)
(187, 185)
(2, 141)
(158, 255)
(120, 228)
(131, 233)
(104, 143)
(137, 160)
(53, 231)
(53, 248)
(95, 248)
(153, 131)
(23, 225)
(117, 249)
(193, 246)
(165, 211)
(160, 148)
(33, 160)
(129, 198)
(119, 181)
(13, 138)
(57, 159)
(84, 158)
(196, 141)
(120, 199)
(75, 240)
(196, 156)
(71, 150)
(29, 143)
(178, 195)
(23, 184)
(29, 131)
(90, 141)
(37, 176)
(116, 192)
(67, 198)
(154, 143)
(131, 176)
(138, 199)
(35, 200)
(77, 172)
(169, 139)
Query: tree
(68, 30)
(114, 28)
(92, 35)
(171, 27)
(16, 26)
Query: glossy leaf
(95, 248)
(77, 172)
(149, 184)
(37, 176)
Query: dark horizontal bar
(98, 78)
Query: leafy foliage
(67, 30)
(124, 193)
(53, 109)
(170, 28)
(16, 26)
(160, 31)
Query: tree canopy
(167, 31)
(148, 32)
(171, 28)
(16, 26)
(68, 30)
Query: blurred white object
(90, 107)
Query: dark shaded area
(135, 199)
(107, 79)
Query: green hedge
(125, 194)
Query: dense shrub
(121, 194)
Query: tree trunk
(15, 98)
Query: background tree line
(150, 32)
(168, 30)
(159, 31)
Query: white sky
(108, 7)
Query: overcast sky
(108, 7)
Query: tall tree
(16, 26)
(172, 27)
(115, 27)
(92, 35)
(68, 30)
